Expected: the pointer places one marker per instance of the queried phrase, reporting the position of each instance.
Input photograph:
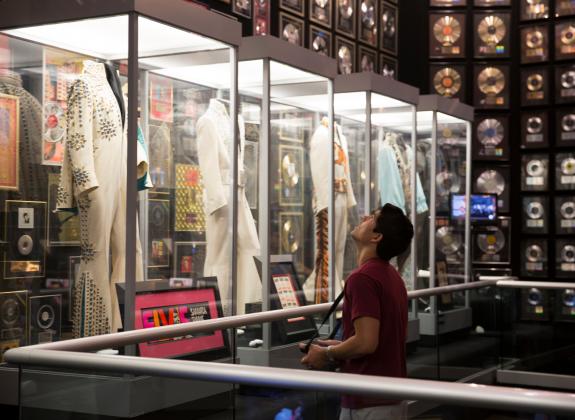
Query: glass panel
(62, 181)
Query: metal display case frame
(436, 322)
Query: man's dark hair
(396, 229)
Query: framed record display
(491, 3)
(189, 258)
(534, 257)
(535, 304)
(447, 37)
(367, 21)
(45, 315)
(447, 3)
(493, 179)
(491, 245)
(535, 214)
(387, 66)
(565, 215)
(448, 80)
(25, 227)
(159, 238)
(389, 25)
(565, 171)
(534, 9)
(565, 132)
(449, 241)
(291, 160)
(534, 129)
(14, 316)
(345, 17)
(564, 8)
(190, 215)
(492, 34)
(366, 59)
(294, 6)
(161, 157)
(534, 173)
(565, 305)
(243, 8)
(345, 51)
(491, 86)
(10, 137)
(565, 40)
(320, 40)
(565, 258)
(320, 12)
(534, 44)
(291, 29)
(490, 137)
(291, 235)
(565, 84)
(535, 86)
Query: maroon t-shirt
(376, 290)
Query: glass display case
(118, 166)
(442, 236)
(380, 153)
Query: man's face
(364, 231)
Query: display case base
(445, 322)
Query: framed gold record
(345, 12)
(447, 80)
(291, 29)
(159, 237)
(366, 59)
(294, 6)
(565, 40)
(534, 44)
(389, 24)
(565, 171)
(535, 214)
(291, 169)
(243, 8)
(534, 129)
(564, 8)
(345, 55)
(14, 317)
(320, 40)
(491, 90)
(565, 126)
(565, 214)
(367, 17)
(534, 257)
(26, 235)
(491, 244)
(291, 235)
(492, 30)
(534, 172)
(161, 158)
(388, 66)
(491, 137)
(493, 179)
(535, 86)
(320, 12)
(447, 38)
(534, 9)
(565, 83)
(290, 126)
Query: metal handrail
(494, 397)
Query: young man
(374, 315)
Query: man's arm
(363, 342)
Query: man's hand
(316, 357)
(326, 343)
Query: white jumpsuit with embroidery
(93, 179)
(214, 140)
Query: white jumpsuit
(214, 141)
(93, 179)
(343, 199)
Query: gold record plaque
(534, 90)
(291, 234)
(345, 17)
(534, 44)
(534, 129)
(491, 134)
(492, 34)
(345, 55)
(565, 171)
(565, 131)
(565, 40)
(190, 216)
(447, 81)
(320, 40)
(387, 66)
(291, 29)
(491, 86)
(565, 84)
(534, 9)
(389, 25)
(448, 38)
(367, 24)
(291, 161)
(535, 172)
(320, 12)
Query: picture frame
(534, 44)
(535, 88)
(294, 6)
(345, 55)
(251, 155)
(189, 258)
(564, 83)
(161, 99)
(291, 235)
(14, 319)
(452, 44)
(368, 12)
(491, 137)
(242, 8)
(291, 168)
(320, 14)
(289, 127)
(160, 157)
(367, 60)
(448, 80)
(534, 11)
(9, 142)
(534, 129)
(565, 127)
(159, 238)
(291, 29)
(189, 202)
(491, 90)
(389, 25)
(320, 40)
(345, 17)
(492, 34)
(25, 255)
(169, 307)
(45, 315)
(388, 66)
(491, 244)
(564, 8)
